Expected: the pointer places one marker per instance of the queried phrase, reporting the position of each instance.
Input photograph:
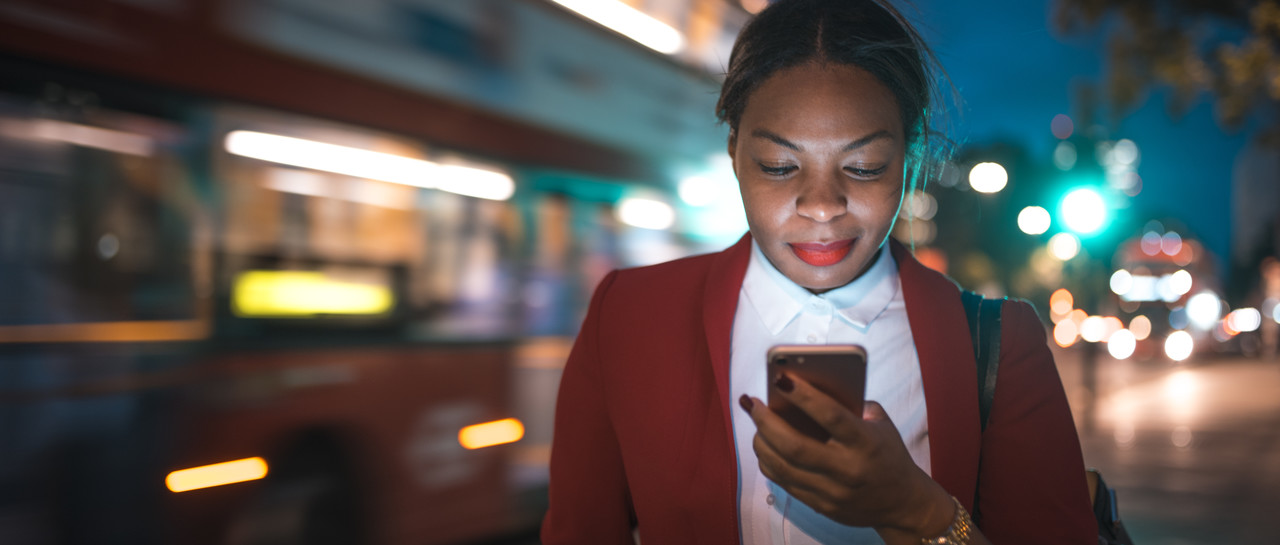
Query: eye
(776, 170)
(867, 172)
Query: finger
(791, 477)
(838, 420)
(873, 411)
(799, 449)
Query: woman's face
(819, 155)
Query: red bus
(205, 341)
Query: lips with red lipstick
(822, 254)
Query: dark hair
(869, 34)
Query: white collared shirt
(774, 310)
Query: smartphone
(838, 370)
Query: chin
(825, 282)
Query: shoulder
(1021, 322)
(670, 281)
(679, 271)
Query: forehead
(823, 97)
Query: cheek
(763, 206)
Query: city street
(1193, 449)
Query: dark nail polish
(784, 383)
(746, 402)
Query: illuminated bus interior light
(358, 190)
(122, 142)
(304, 294)
(488, 434)
(470, 181)
(235, 471)
(333, 158)
(629, 22)
(476, 182)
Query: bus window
(102, 228)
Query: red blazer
(643, 435)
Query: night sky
(1015, 73)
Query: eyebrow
(776, 139)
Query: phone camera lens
(781, 361)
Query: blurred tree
(1229, 49)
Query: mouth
(822, 254)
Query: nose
(821, 198)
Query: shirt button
(769, 499)
(812, 338)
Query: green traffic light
(1084, 211)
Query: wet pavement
(1192, 449)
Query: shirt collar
(778, 300)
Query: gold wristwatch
(957, 533)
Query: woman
(827, 104)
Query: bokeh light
(921, 205)
(1140, 326)
(1065, 155)
(1061, 302)
(1171, 243)
(1121, 282)
(1150, 243)
(988, 177)
(1204, 309)
(1094, 329)
(1179, 345)
(1180, 282)
(1122, 344)
(1244, 320)
(1062, 126)
(1181, 437)
(1124, 153)
(1065, 333)
(1064, 246)
(1033, 220)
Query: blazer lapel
(948, 371)
(719, 304)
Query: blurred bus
(250, 298)
(1155, 277)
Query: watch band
(956, 534)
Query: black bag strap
(984, 331)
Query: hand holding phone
(838, 370)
